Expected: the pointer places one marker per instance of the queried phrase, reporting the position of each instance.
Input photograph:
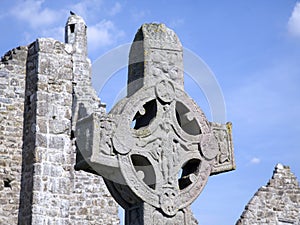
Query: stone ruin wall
(38, 183)
(12, 93)
(276, 203)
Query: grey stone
(38, 183)
(6, 100)
(278, 201)
(155, 149)
(3, 74)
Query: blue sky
(253, 48)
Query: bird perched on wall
(72, 13)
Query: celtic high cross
(155, 149)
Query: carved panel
(225, 158)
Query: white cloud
(49, 22)
(255, 160)
(102, 34)
(34, 14)
(267, 96)
(88, 9)
(99, 33)
(265, 110)
(138, 15)
(116, 9)
(57, 33)
(294, 21)
(177, 23)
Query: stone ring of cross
(155, 149)
(164, 145)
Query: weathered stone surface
(155, 148)
(276, 203)
(155, 53)
(225, 158)
(12, 81)
(39, 85)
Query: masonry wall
(12, 88)
(47, 128)
(276, 203)
(40, 87)
(90, 192)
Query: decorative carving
(164, 64)
(209, 146)
(165, 91)
(107, 127)
(168, 201)
(225, 159)
(159, 219)
(158, 139)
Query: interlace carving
(155, 149)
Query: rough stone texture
(155, 149)
(45, 90)
(162, 56)
(41, 89)
(94, 204)
(276, 203)
(12, 86)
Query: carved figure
(171, 137)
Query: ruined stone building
(42, 88)
(38, 183)
(276, 203)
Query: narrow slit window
(72, 28)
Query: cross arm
(225, 158)
(94, 152)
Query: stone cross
(155, 149)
